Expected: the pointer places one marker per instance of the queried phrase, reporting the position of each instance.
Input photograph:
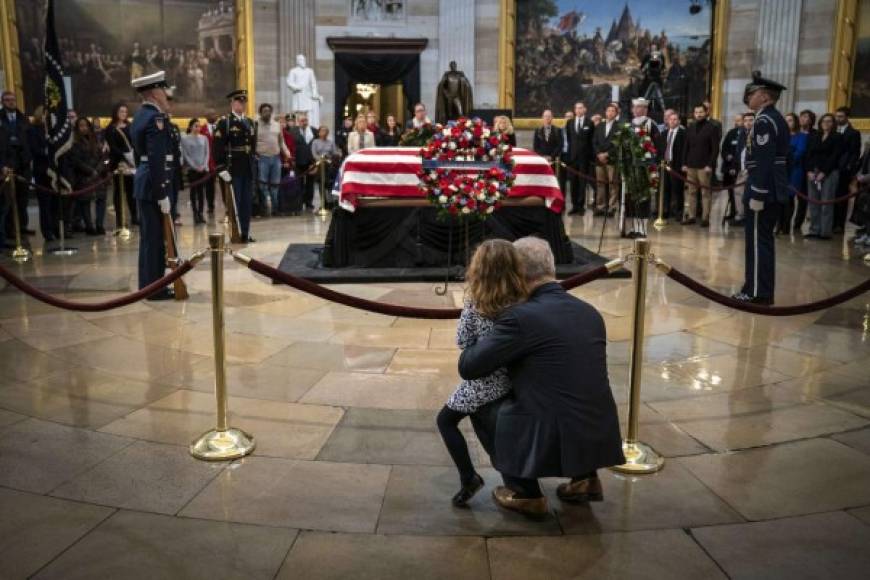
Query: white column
(777, 39)
(296, 22)
(456, 37)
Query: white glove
(164, 205)
(225, 175)
(756, 205)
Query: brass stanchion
(322, 212)
(661, 223)
(639, 457)
(20, 254)
(62, 249)
(123, 232)
(223, 442)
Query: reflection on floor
(764, 422)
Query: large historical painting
(107, 42)
(569, 50)
(861, 80)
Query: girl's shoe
(467, 492)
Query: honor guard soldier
(152, 184)
(767, 147)
(234, 144)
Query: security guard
(152, 182)
(234, 145)
(767, 147)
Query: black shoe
(101, 231)
(744, 297)
(28, 232)
(162, 295)
(467, 492)
(811, 236)
(250, 240)
(91, 231)
(688, 222)
(49, 237)
(705, 223)
(598, 213)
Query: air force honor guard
(766, 153)
(152, 183)
(234, 144)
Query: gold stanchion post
(20, 254)
(639, 457)
(661, 223)
(123, 232)
(322, 212)
(224, 442)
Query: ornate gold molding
(11, 56)
(507, 47)
(245, 79)
(843, 58)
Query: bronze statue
(453, 99)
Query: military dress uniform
(175, 168)
(152, 183)
(767, 148)
(234, 145)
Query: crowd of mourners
(825, 163)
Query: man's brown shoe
(534, 508)
(581, 491)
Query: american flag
(391, 172)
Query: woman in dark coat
(38, 145)
(87, 166)
(822, 165)
(391, 134)
(117, 136)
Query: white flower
(452, 145)
(647, 155)
(490, 209)
(453, 188)
(485, 133)
(446, 131)
(433, 175)
(468, 123)
(466, 210)
(480, 197)
(442, 199)
(493, 152)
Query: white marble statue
(303, 88)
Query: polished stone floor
(765, 423)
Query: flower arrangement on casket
(417, 136)
(467, 169)
(636, 161)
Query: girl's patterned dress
(470, 395)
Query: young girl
(495, 282)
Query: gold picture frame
(843, 59)
(507, 47)
(244, 28)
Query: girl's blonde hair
(509, 127)
(495, 278)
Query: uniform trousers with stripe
(760, 250)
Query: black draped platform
(414, 237)
(410, 244)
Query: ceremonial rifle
(172, 260)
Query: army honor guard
(152, 183)
(234, 143)
(767, 147)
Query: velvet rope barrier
(394, 309)
(710, 294)
(125, 300)
(840, 199)
(78, 193)
(685, 179)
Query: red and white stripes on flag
(391, 172)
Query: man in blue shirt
(766, 188)
(150, 134)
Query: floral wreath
(475, 192)
(636, 161)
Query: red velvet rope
(80, 192)
(840, 199)
(684, 179)
(797, 309)
(391, 309)
(145, 292)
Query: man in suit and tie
(563, 155)
(561, 420)
(303, 135)
(547, 140)
(674, 142)
(580, 149)
(16, 158)
(607, 190)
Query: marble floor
(765, 424)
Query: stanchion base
(639, 458)
(123, 234)
(660, 224)
(323, 212)
(222, 445)
(20, 254)
(63, 251)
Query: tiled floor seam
(94, 466)
(689, 533)
(75, 543)
(383, 501)
(287, 554)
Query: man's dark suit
(674, 186)
(17, 158)
(561, 420)
(548, 145)
(848, 167)
(304, 160)
(580, 155)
